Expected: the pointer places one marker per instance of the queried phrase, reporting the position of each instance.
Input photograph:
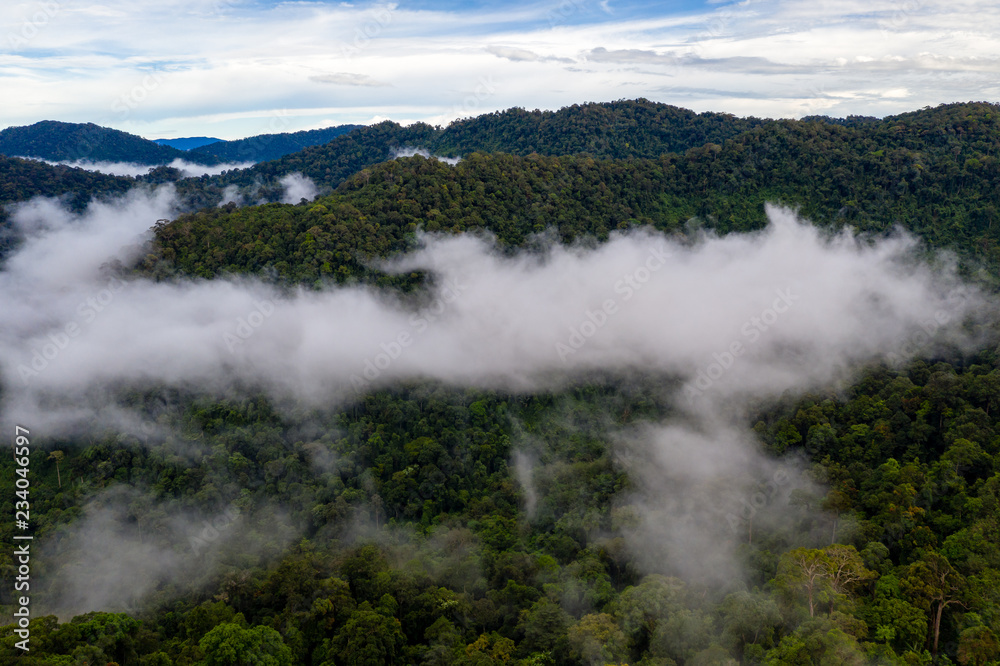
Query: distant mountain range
(73, 142)
(914, 169)
(265, 147)
(622, 129)
(187, 143)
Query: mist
(423, 152)
(298, 187)
(758, 314)
(159, 549)
(719, 322)
(785, 309)
(187, 169)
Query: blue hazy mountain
(187, 143)
(266, 147)
(87, 142)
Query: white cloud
(187, 169)
(245, 58)
(348, 79)
(423, 152)
(639, 302)
(298, 187)
(719, 322)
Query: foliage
(58, 141)
(412, 542)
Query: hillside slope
(623, 129)
(933, 172)
(58, 141)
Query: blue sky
(233, 68)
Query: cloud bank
(758, 314)
(718, 323)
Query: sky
(236, 68)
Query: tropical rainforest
(402, 528)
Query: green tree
(369, 638)
(232, 644)
(804, 571)
(932, 584)
(978, 646)
(597, 639)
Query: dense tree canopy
(397, 527)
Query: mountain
(187, 143)
(437, 521)
(22, 179)
(630, 128)
(270, 146)
(626, 128)
(58, 141)
(932, 171)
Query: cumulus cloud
(513, 54)
(701, 488)
(190, 170)
(348, 79)
(772, 43)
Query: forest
(424, 523)
(58, 141)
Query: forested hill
(934, 172)
(917, 142)
(187, 143)
(626, 128)
(265, 147)
(623, 129)
(427, 524)
(58, 141)
(21, 180)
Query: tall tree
(933, 584)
